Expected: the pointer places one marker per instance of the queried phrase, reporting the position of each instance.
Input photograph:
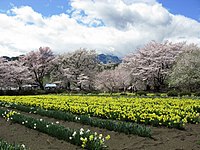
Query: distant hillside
(103, 58)
(10, 58)
(106, 59)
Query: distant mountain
(106, 59)
(10, 58)
(103, 58)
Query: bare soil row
(163, 138)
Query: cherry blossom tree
(76, 68)
(186, 71)
(3, 67)
(113, 80)
(39, 63)
(150, 65)
(16, 74)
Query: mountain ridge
(103, 58)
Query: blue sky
(115, 27)
(46, 7)
(188, 8)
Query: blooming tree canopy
(76, 68)
(39, 63)
(150, 65)
(17, 74)
(113, 80)
(3, 82)
(186, 71)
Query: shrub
(32, 92)
(123, 94)
(54, 91)
(153, 94)
(27, 92)
(1, 92)
(141, 93)
(172, 93)
(197, 94)
(184, 93)
(157, 94)
(12, 92)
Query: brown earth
(15, 133)
(163, 138)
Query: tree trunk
(68, 86)
(41, 85)
(148, 88)
(20, 88)
(157, 88)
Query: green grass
(198, 142)
(7, 146)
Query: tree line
(155, 67)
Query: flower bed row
(170, 112)
(84, 138)
(112, 125)
(7, 146)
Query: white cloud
(127, 25)
(121, 15)
(139, 1)
(27, 15)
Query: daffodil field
(116, 113)
(170, 112)
(112, 125)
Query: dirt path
(15, 133)
(173, 139)
(163, 138)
